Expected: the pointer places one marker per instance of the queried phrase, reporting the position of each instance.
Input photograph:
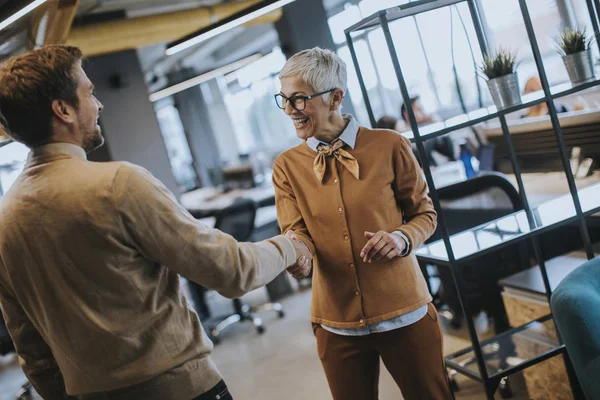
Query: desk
(535, 141)
(207, 202)
(543, 187)
(264, 216)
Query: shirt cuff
(406, 250)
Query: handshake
(303, 264)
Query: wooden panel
(538, 151)
(129, 34)
(521, 310)
(51, 23)
(547, 380)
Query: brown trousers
(413, 356)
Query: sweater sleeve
(288, 212)
(420, 218)
(166, 233)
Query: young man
(90, 253)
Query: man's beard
(93, 140)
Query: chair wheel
(454, 385)
(260, 329)
(24, 394)
(504, 389)
(456, 322)
(281, 314)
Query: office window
(370, 7)
(452, 51)
(505, 28)
(430, 44)
(354, 91)
(413, 62)
(239, 106)
(259, 125)
(12, 160)
(423, 46)
(178, 149)
(341, 21)
(369, 68)
(370, 77)
(582, 20)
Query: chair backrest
(238, 219)
(576, 308)
(476, 201)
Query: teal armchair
(576, 308)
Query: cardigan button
(362, 321)
(346, 238)
(340, 209)
(351, 265)
(335, 180)
(356, 293)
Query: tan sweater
(90, 257)
(332, 216)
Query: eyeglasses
(298, 103)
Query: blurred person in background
(534, 84)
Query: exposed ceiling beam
(258, 40)
(51, 23)
(128, 34)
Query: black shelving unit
(527, 225)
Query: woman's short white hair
(321, 69)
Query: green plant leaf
(573, 41)
(504, 62)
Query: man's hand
(382, 245)
(304, 259)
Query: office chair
(236, 220)
(7, 347)
(466, 205)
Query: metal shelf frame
(382, 20)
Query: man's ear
(63, 111)
(336, 98)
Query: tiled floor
(282, 363)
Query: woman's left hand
(382, 245)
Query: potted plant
(503, 82)
(574, 45)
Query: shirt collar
(54, 149)
(348, 136)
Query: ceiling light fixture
(248, 14)
(21, 13)
(171, 90)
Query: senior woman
(355, 196)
